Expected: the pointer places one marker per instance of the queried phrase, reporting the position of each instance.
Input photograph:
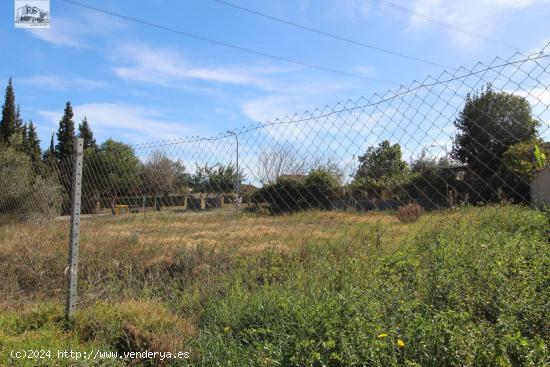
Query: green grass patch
(473, 292)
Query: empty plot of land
(33, 257)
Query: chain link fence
(158, 216)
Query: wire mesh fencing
(156, 217)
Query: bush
(520, 164)
(29, 191)
(409, 213)
(294, 193)
(386, 188)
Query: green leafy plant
(540, 157)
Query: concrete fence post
(143, 205)
(74, 234)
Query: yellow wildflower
(226, 329)
(382, 336)
(400, 343)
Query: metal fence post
(74, 239)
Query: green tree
(321, 187)
(18, 140)
(48, 157)
(9, 115)
(19, 124)
(382, 162)
(217, 178)
(431, 179)
(64, 152)
(18, 137)
(490, 123)
(65, 135)
(33, 143)
(110, 171)
(425, 163)
(23, 132)
(382, 172)
(85, 132)
(26, 192)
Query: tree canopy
(85, 132)
(26, 191)
(9, 120)
(112, 169)
(65, 135)
(489, 124)
(382, 162)
(33, 143)
(161, 175)
(217, 178)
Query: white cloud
(515, 3)
(73, 31)
(59, 33)
(268, 107)
(355, 8)
(51, 81)
(539, 99)
(364, 69)
(538, 96)
(131, 121)
(336, 121)
(168, 67)
(288, 98)
(473, 15)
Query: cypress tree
(9, 115)
(52, 146)
(49, 155)
(85, 132)
(22, 131)
(18, 140)
(65, 135)
(18, 120)
(33, 143)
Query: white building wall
(540, 189)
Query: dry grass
(33, 257)
(137, 325)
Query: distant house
(459, 169)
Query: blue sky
(139, 84)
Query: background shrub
(29, 191)
(294, 193)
